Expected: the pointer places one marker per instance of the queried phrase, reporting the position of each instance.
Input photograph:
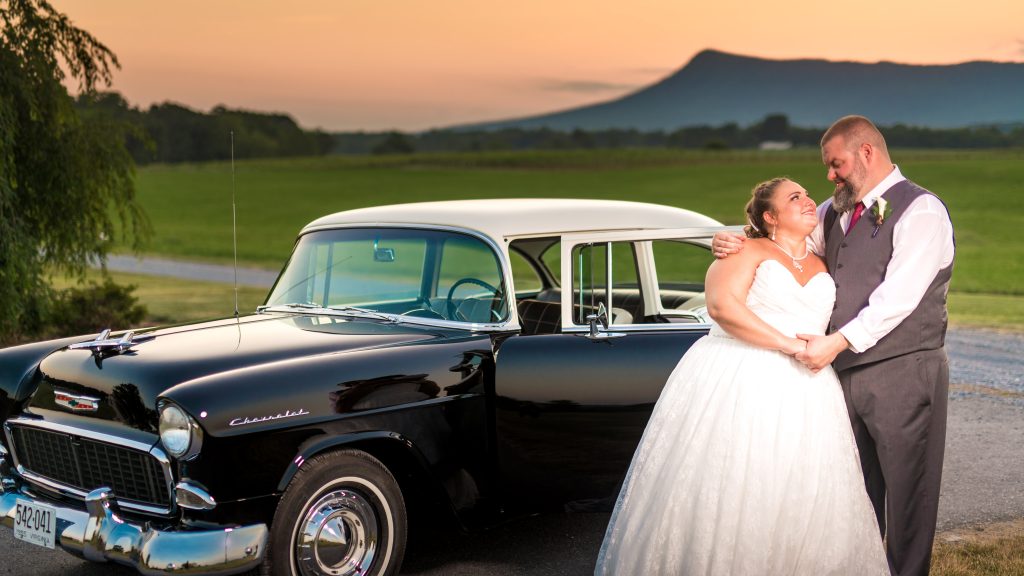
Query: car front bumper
(100, 534)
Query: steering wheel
(423, 313)
(453, 310)
(423, 310)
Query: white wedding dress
(748, 465)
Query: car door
(571, 405)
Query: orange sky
(415, 64)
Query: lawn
(190, 205)
(993, 550)
(174, 301)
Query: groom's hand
(821, 350)
(725, 243)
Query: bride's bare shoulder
(759, 248)
(755, 251)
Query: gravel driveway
(982, 482)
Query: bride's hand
(794, 346)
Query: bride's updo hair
(761, 202)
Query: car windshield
(406, 272)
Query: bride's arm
(726, 286)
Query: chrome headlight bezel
(4, 463)
(180, 434)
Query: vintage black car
(477, 358)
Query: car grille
(87, 464)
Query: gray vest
(858, 261)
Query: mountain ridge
(717, 87)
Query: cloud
(585, 86)
(1020, 46)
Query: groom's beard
(844, 198)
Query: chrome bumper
(100, 534)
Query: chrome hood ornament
(103, 344)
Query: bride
(748, 464)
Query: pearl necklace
(796, 261)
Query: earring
(773, 234)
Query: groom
(888, 243)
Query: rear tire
(342, 515)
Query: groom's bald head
(856, 158)
(855, 131)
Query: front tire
(342, 515)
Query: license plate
(35, 523)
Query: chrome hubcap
(337, 536)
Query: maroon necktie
(857, 210)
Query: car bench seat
(545, 316)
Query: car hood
(125, 386)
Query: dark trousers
(898, 411)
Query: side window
(681, 267)
(552, 259)
(589, 280)
(592, 266)
(524, 276)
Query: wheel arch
(398, 454)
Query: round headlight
(176, 430)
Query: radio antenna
(234, 220)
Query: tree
(394, 143)
(66, 178)
(774, 128)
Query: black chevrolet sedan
(471, 360)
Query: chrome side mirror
(602, 317)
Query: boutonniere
(880, 210)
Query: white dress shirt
(922, 245)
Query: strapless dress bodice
(791, 308)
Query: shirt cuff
(857, 336)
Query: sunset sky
(415, 64)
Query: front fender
(419, 408)
(18, 366)
(314, 391)
(421, 489)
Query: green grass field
(190, 205)
(174, 301)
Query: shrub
(91, 308)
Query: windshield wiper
(365, 311)
(337, 308)
(303, 305)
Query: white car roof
(523, 216)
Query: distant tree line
(171, 133)
(774, 128)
